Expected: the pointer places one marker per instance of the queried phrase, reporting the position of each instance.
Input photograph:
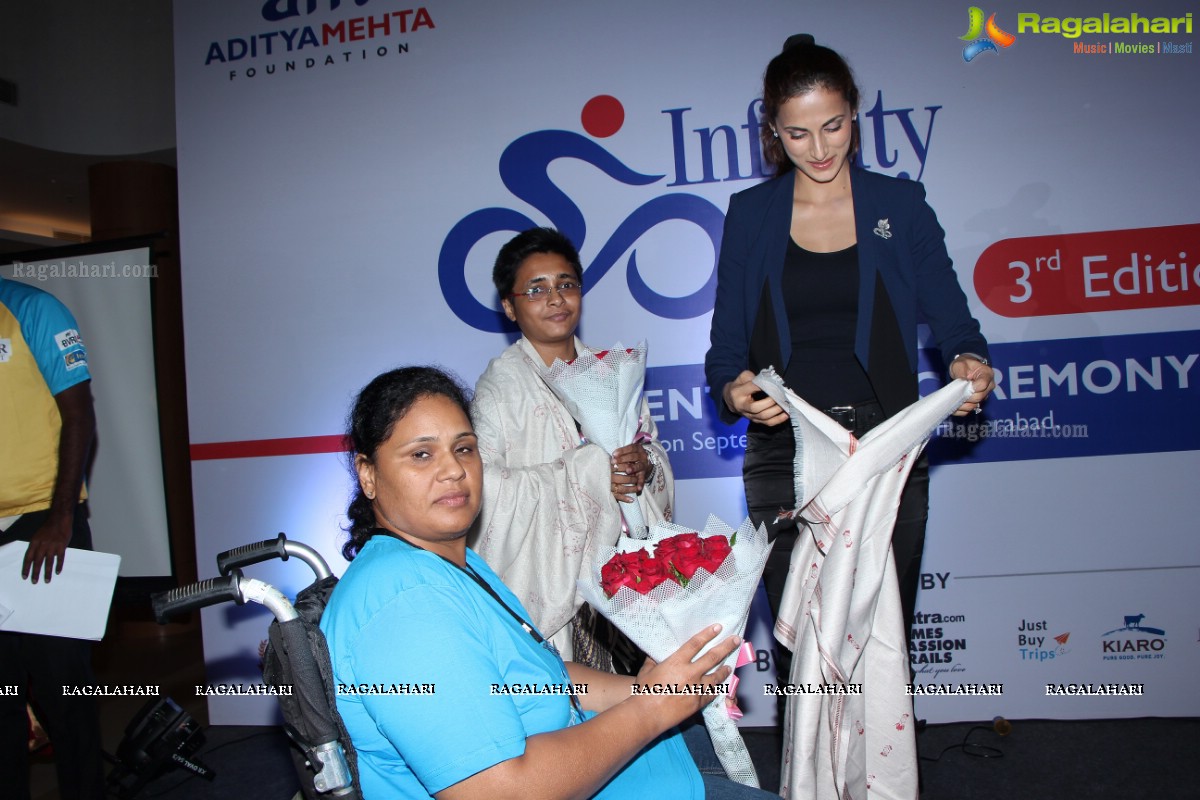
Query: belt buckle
(846, 416)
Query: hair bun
(798, 39)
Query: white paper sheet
(74, 604)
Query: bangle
(976, 356)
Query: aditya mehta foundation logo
(983, 37)
(318, 35)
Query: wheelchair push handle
(280, 548)
(204, 593)
(255, 553)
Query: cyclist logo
(524, 166)
(976, 44)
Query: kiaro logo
(978, 42)
(1134, 623)
(1125, 644)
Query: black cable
(973, 749)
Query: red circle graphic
(602, 116)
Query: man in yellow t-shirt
(47, 425)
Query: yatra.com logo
(524, 170)
(979, 43)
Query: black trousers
(39, 667)
(768, 474)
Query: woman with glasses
(552, 500)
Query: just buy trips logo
(995, 37)
(1035, 643)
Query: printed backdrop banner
(349, 170)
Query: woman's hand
(577, 760)
(630, 467)
(679, 669)
(982, 379)
(744, 397)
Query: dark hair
(525, 244)
(379, 406)
(801, 67)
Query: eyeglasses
(541, 294)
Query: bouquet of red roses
(603, 392)
(660, 597)
(675, 558)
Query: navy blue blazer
(901, 257)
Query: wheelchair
(296, 658)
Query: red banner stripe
(263, 448)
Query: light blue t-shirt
(49, 330)
(426, 661)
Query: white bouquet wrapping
(691, 581)
(603, 391)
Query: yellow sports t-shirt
(41, 355)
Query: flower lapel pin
(883, 229)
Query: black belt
(858, 418)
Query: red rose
(623, 569)
(654, 572)
(715, 549)
(682, 552)
(682, 542)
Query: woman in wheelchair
(446, 688)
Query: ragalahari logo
(978, 43)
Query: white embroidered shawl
(840, 611)
(548, 506)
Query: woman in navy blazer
(824, 273)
